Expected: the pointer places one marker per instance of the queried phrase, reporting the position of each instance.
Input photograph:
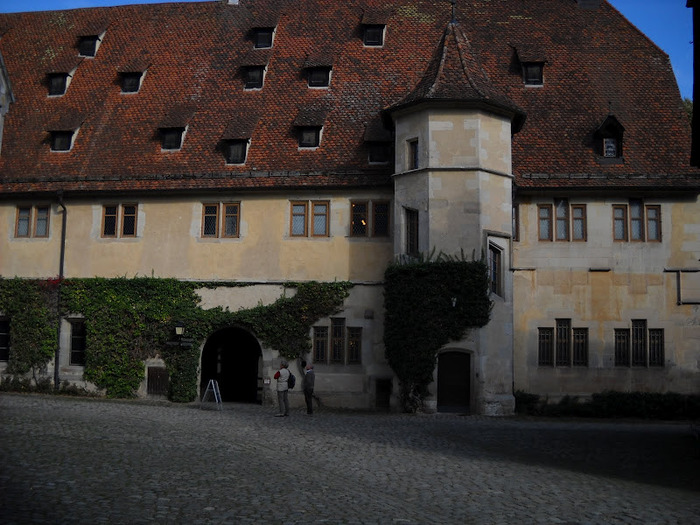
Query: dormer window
(309, 136)
(533, 73)
(235, 151)
(87, 45)
(373, 35)
(171, 138)
(610, 148)
(608, 140)
(319, 76)
(131, 81)
(254, 77)
(262, 37)
(58, 83)
(379, 152)
(62, 140)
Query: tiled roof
(597, 64)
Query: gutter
(56, 378)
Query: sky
(668, 23)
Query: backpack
(291, 381)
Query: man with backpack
(282, 377)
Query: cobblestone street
(66, 460)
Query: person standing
(282, 376)
(309, 380)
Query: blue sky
(667, 22)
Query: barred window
(640, 346)
(563, 342)
(320, 344)
(4, 339)
(337, 344)
(545, 347)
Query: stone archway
(233, 357)
(454, 382)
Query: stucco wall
(603, 285)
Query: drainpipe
(56, 367)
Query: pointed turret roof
(455, 76)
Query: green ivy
(428, 304)
(31, 305)
(129, 320)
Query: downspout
(56, 367)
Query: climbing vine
(429, 303)
(129, 320)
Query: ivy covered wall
(428, 304)
(129, 320)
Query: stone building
(271, 141)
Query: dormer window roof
(373, 28)
(235, 139)
(60, 74)
(379, 141)
(532, 60)
(319, 76)
(608, 140)
(173, 127)
(62, 139)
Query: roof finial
(454, 18)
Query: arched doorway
(233, 357)
(453, 382)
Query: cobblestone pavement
(69, 460)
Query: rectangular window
(320, 219)
(235, 151)
(262, 37)
(337, 340)
(41, 221)
(61, 140)
(298, 221)
(109, 221)
(516, 222)
(309, 136)
(231, 219)
(579, 229)
(58, 82)
(77, 343)
(359, 219)
(128, 220)
(545, 345)
(620, 222)
(354, 345)
(229, 212)
(131, 82)
(495, 270)
(320, 344)
(580, 337)
(210, 220)
(563, 342)
(87, 45)
(412, 246)
(171, 138)
(254, 77)
(532, 73)
(653, 223)
(319, 76)
(380, 219)
(4, 340)
(636, 210)
(544, 213)
(24, 218)
(561, 207)
(639, 342)
(622, 347)
(122, 214)
(656, 347)
(373, 35)
(610, 149)
(413, 154)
